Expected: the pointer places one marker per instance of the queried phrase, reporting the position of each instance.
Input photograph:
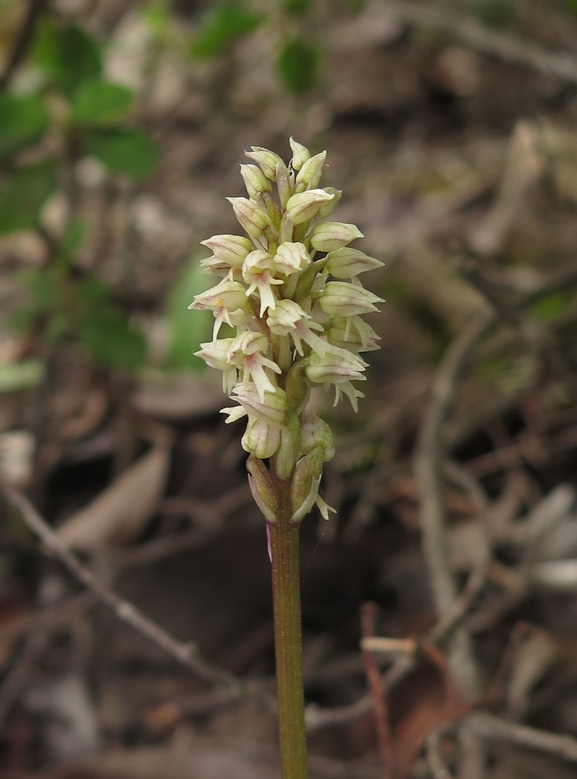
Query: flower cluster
(290, 289)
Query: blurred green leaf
(68, 55)
(221, 26)
(157, 16)
(22, 122)
(496, 13)
(101, 103)
(298, 65)
(572, 5)
(43, 291)
(23, 196)
(296, 7)
(552, 306)
(93, 292)
(188, 329)
(124, 151)
(20, 375)
(110, 337)
(43, 298)
(72, 238)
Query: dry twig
(499, 729)
(377, 693)
(429, 462)
(508, 47)
(186, 654)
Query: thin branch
(377, 693)
(186, 654)
(23, 41)
(503, 45)
(429, 463)
(499, 729)
(435, 760)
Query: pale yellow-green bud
(305, 484)
(316, 434)
(284, 185)
(311, 172)
(231, 249)
(255, 181)
(261, 438)
(346, 263)
(340, 298)
(305, 206)
(266, 160)
(328, 236)
(288, 450)
(262, 488)
(327, 208)
(300, 154)
(249, 215)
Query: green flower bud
(340, 298)
(266, 160)
(305, 206)
(328, 236)
(311, 172)
(254, 180)
(284, 185)
(297, 387)
(261, 438)
(289, 446)
(262, 488)
(335, 366)
(346, 263)
(327, 208)
(316, 434)
(249, 216)
(231, 249)
(305, 484)
(300, 154)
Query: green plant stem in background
(284, 552)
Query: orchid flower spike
(297, 317)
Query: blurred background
(450, 128)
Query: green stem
(284, 551)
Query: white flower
(257, 271)
(246, 352)
(291, 258)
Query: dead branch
(186, 654)
(429, 463)
(435, 760)
(498, 729)
(377, 693)
(22, 41)
(503, 45)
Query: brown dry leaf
(119, 512)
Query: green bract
(295, 325)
